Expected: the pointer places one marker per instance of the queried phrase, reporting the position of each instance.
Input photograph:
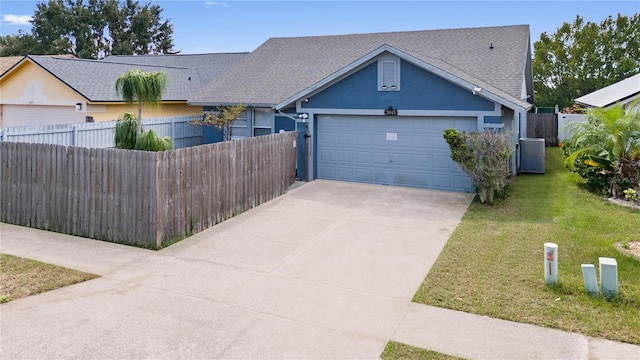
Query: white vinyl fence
(102, 134)
(565, 121)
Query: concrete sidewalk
(326, 271)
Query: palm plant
(144, 88)
(610, 140)
(126, 131)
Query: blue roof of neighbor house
(494, 58)
(620, 91)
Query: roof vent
(491, 46)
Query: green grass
(395, 350)
(21, 277)
(493, 263)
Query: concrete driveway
(325, 271)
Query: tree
(222, 119)
(93, 29)
(484, 156)
(18, 45)
(144, 88)
(582, 57)
(609, 141)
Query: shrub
(484, 156)
(150, 141)
(126, 131)
(127, 136)
(596, 179)
(610, 142)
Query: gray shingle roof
(95, 80)
(613, 93)
(283, 67)
(208, 66)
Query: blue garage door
(406, 151)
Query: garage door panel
(407, 151)
(345, 156)
(381, 158)
(345, 138)
(402, 159)
(344, 173)
(363, 139)
(363, 157)
(422, 161)
(441, 162)
(327, 155)
(326, 172)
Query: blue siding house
(375, 105)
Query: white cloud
(17, 19)
(215, 3)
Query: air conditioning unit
(532, 155)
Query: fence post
(173, 129)
(75, 135)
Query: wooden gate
(543, 126)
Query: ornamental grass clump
(484, 155)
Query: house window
(262, 121)
(389, 74)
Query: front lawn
(20, 277)
(493, 263)
(399, 351)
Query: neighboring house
(376, 105)
(7, 62)
(624, 92)
(53, 90)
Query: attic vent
(389, 74)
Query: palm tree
(144, 88)
(610, 140)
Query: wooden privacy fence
(140, 198)
(543, 126)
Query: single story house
(374, 106)
(624, 92)
(55, 90)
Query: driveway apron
(325, 271)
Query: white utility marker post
(550, 263)
(590, 281)
(608, 277)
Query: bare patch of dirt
(632, 248)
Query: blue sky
(234, 26)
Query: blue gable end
(419, 90)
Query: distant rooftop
(617, 92)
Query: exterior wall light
(78, 106)
(476, 90)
